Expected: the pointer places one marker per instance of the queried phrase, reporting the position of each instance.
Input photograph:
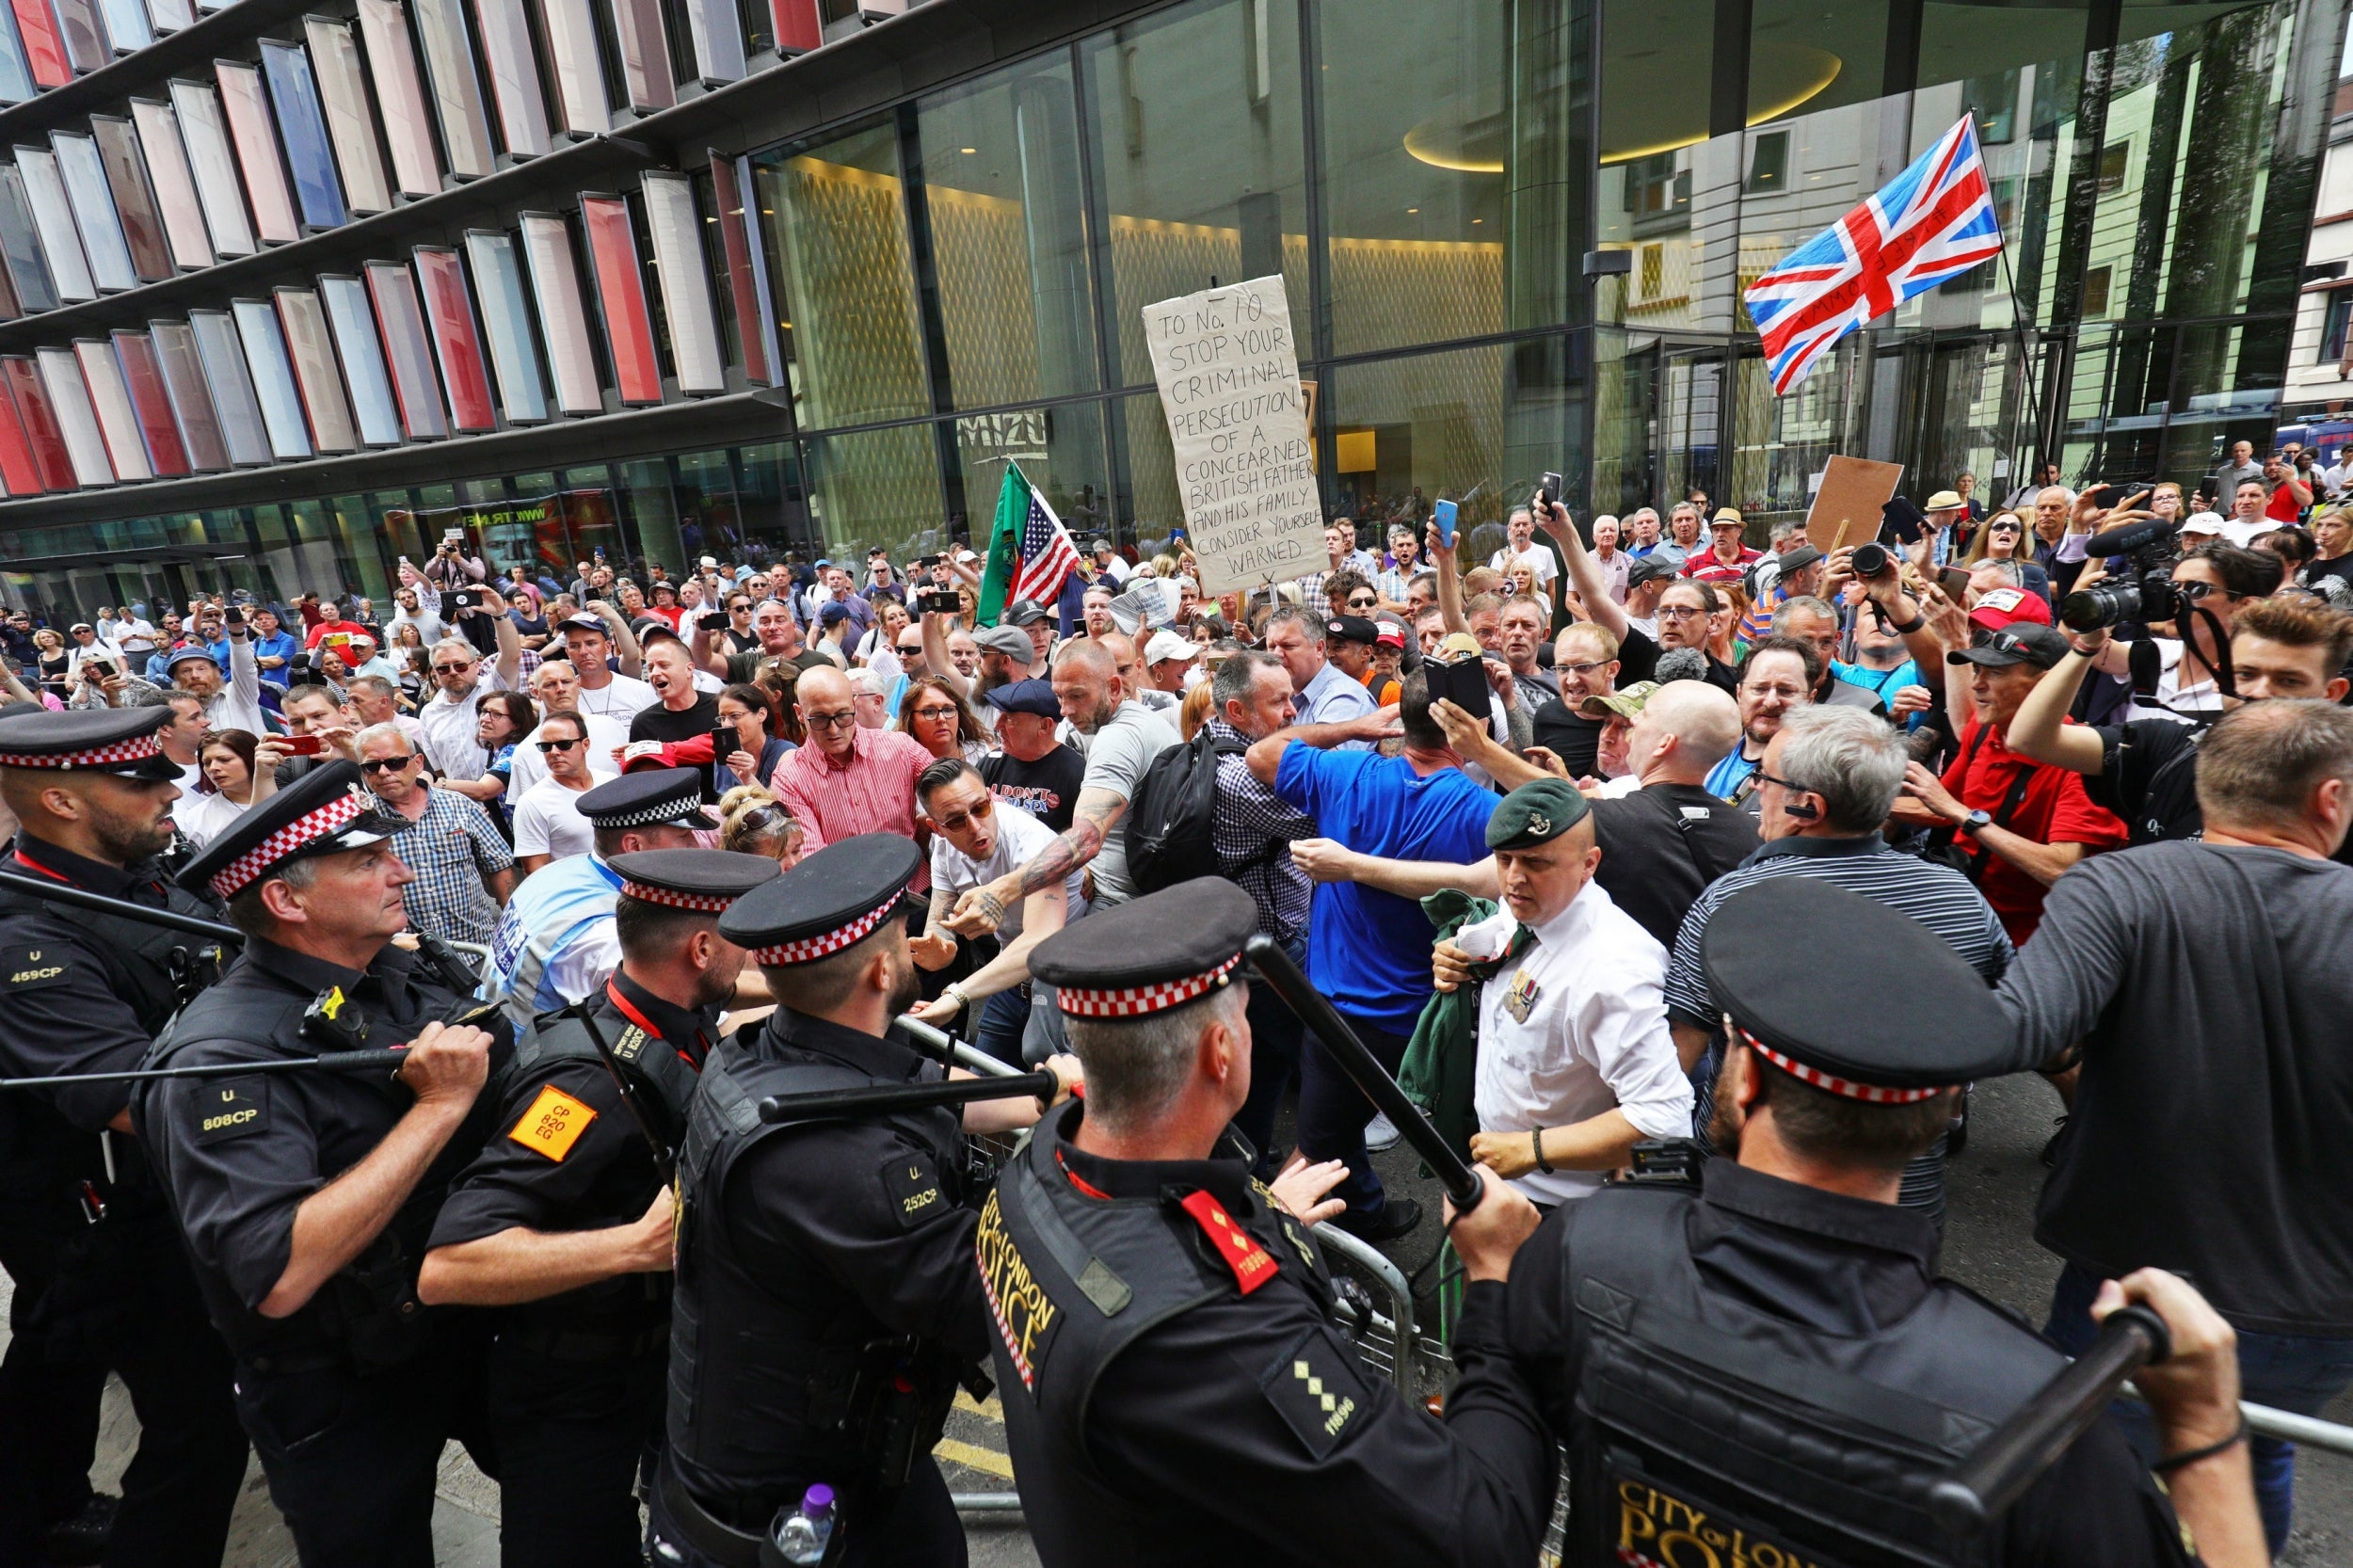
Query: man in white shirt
(233, 703)
(975, 839)
(556, 690)
(460, 680)
(1576, 1063)
(590, 640)
(1108, 564)
(548, 824)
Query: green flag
(1004, 545)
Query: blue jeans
(997, 1029)
(1334, 1113)
(2291, 1372)
(1275, 1037)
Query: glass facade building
(924, 248)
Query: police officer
(565, 1220)
(554, 944)
(827, 1305)
(1174, 1388)
(1770, 1348)
(101, 1280)
(305, 1197)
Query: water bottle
(801, 1536)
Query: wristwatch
(1977, 822)
(955, 992)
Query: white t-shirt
(548, 820)
(1539, 560)
(618, 699)
(529, 765)
(204, 818)
(1019, 838)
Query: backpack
(1171, 813)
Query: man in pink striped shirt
(848, 779)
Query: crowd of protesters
(2136, 832)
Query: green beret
(1536, 814)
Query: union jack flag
(1934, 221)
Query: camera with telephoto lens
(1872, 561)
(2144, 592)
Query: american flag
(1042, 556)
(1934, 221)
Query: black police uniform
(350, 1398)
(576, 1381)
(1750, 1367)
(101, 1281)
(827, 1304)
(1174, 1387)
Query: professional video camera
(2145, 591)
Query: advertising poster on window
(1228, 376)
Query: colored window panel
(293, 95)
(265, 172)
(273, 379)
(441, 279)
(799, 29)
(522, 109)
(742, 279)
(676, 232)
(35, 406)
(621, 297)
(408, 354)
(16, 72)
(174, 183)
(354, 326)
(456, 91)
(53, 219)
(18, 470)
(110, 399)
(84, 35)
(498, 276)
(143, 376)
(19, 245)
(85, 447)
(213, 165)
(134, 198)
(304, 321)
(579, 95)
(335, 59)
(563, 316)
(10, 307)
(221, 352)
(645, 48)
(44, 45)
(127, 27)
(717, 33)
(191, 402)
(94, 215)
(169, 16)
(400, 93)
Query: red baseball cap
(2006, 606)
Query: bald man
(848, 779)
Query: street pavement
(1988, 1245)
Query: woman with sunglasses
(752, 710)
(752, 821)
(942, 721)
(2003, 539)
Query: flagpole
(2026, 370)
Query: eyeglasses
(982, 810)
(454, 670)
(842, 720)
(388, 764)
(1680, 612)
(1585, 669)
(561, 746)
(2194, 590)
(910, 650)
(937, 712)
(1368, 602)
(1764, 777)
(2003, 642)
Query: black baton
(1997, 1472)
(82, 898)
(333, 1061)
(827, 1103)
(1316, 1010)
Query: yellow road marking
(988, 1410)
(975, 1458)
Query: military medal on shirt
(1520, 1000)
